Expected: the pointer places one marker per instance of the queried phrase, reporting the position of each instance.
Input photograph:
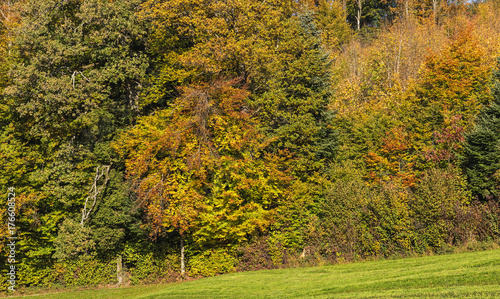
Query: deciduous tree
(454, 82)
(75, 77)
(200, 169)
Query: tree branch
(95, 191)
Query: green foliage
(76, 71)
(331, 21)
(277, 244)
(437, 198)
(73, 240)
(482, 153)
(146, 262)
(79, 271)
(295, 227)
(195, 41)
(9, 19)
(115, 221)
(361, 13)
(212, 262)
(294, 102)
(14, 169)
(33, 275)
(74, 87)
(84, 271)
(358, 220)
(216, 125)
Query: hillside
(148, 141)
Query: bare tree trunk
(119, 270)
(434, 10)
(183, 263)
(358, 18)
(398, 59)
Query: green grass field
(465, 275)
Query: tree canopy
(150, 140)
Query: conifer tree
(294, 105)
(482, 152)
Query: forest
(148, 141)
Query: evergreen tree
(361, 13)
(294, 115)
(294, 105)
(482, 152)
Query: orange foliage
(455, 79)
(396, 159)
(199, 167)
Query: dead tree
(101, 171)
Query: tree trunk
(183, 264)
(358, 18)
(119, 270)
(434, 10)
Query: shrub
(341, 227)
(436, 202)
(386, 222)
(145, 266)
(213, 262)
(85, 271)
(255, 256)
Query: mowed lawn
(465, 275)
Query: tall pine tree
(294, 103)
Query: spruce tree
(482, 153)
(294, 105)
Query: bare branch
(95, 191)
(74, 76)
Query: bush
(479, 222)
(438, 199)
(255, 256)
(85, 271)
(212, 262)
(146, 267)
(73, 240)
(340, 222)
(386, 222)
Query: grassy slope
(466, 275)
